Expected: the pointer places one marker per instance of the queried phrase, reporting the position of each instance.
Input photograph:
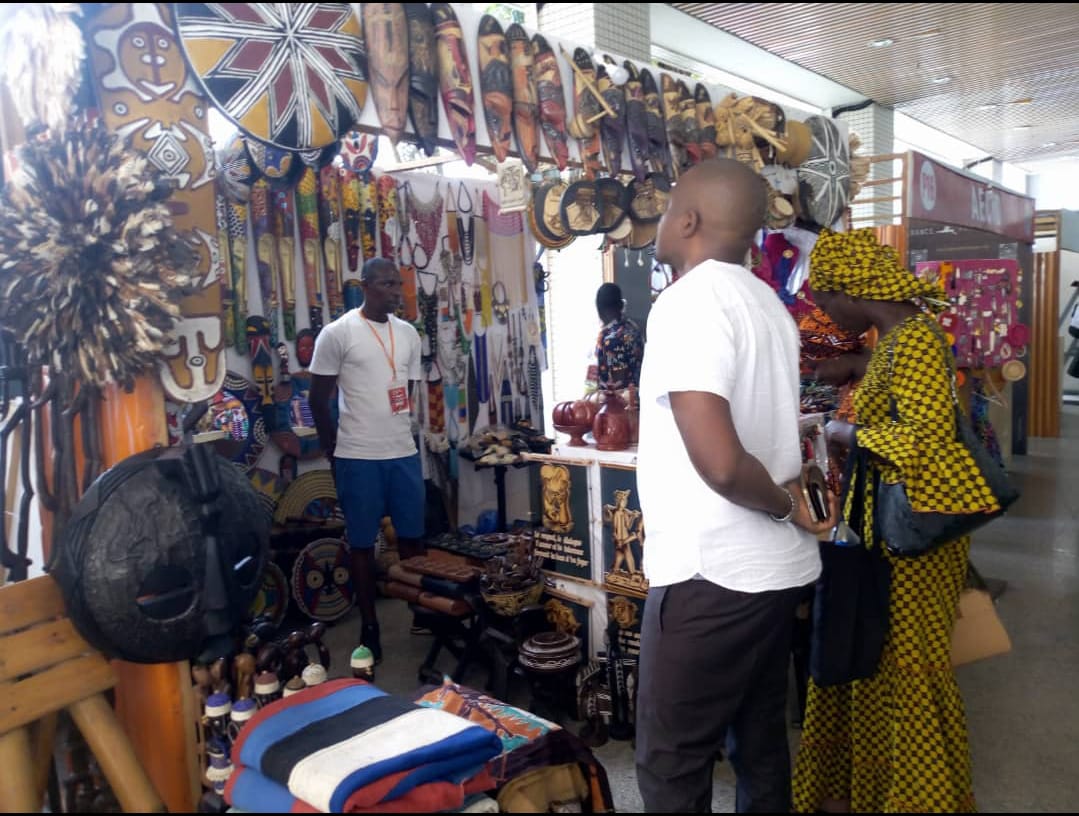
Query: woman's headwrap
(856, 264)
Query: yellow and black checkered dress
(897, 742)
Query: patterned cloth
(619, 352)
(857, 264)
(346, 746)
(898, 741)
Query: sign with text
(563, 539)
(941, 194)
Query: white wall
(1054, 183)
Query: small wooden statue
(267, 689)
(243, 673)
(294, 685)
(363, 664)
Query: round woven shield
(824, 178)
(311, 498)
(272, 597)
(322, 580)
(290, 74)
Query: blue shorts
(369, 489)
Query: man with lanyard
(731, 543)
(372, 359)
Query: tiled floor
(1022, 709)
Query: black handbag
(851, 596)
(908, 532)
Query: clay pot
(578, 412)
(611, 425)
(574, 418)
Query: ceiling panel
(1007, 74)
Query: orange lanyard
(391, 355)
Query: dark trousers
(713, 673)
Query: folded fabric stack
(542, 767)
(438, 584)
(345, 746)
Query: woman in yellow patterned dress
(897, 741)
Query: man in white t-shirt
(372, 359)
(731, 545)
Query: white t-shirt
(347, 349)
(720, 330)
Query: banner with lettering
(939, 193)
(563, 538)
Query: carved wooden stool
(45, 667)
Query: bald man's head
(716, 209)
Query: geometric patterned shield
(272, 597)
(322, 580)
(824, 178)
(290, 74)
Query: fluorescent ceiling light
(942, 80)
(884, 42)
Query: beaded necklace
(427, 216)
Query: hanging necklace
(466, 235)
(427, 302)
(427, 216)
(500, 303)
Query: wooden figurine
(243, 673)
(363, 664)
(200, 674)
(313, 674)
(219, 671)
(269, 658)
(294, 685)
(243, 711)
(314, 635)
(215, 718)
(267, 689)
(295, 656)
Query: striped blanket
(346, 746)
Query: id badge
(398, 394)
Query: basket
(509, 604)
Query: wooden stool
(45, 667)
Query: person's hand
(801, 515)
(840, 437)
(329, 450)
(843, 369)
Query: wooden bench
(46, 667)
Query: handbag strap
(893, 409)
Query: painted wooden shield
(612, 128)
(290, 74)
(423, 75)
(272, 597)
(147, 94)
(584, 126)
(322, 580)
(636, 123)
(659, 152)
(824, 178)
(279, 167)
(385, 31)
(455, 80)
(496, 85)
(525, 103)
(552, 101)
